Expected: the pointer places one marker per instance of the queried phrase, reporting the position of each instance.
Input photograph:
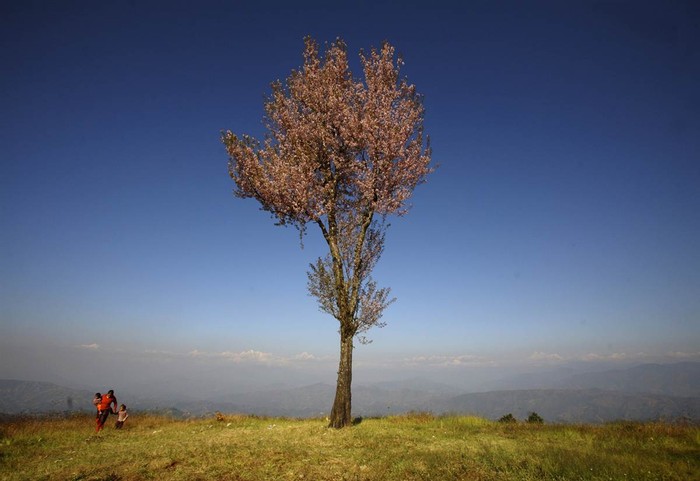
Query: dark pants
(102, 418)
(118, 424)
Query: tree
(343, 155)
(535, 418)
(508, 419)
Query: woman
(105, 408)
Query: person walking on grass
(96, 402)
(121, 417)
(105, 409)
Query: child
(96, 402)
(122, 415)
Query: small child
(96, 402)
(122, 415)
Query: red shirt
(107, 399)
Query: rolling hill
(646, 392)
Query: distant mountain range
(646, 392)
(576, 405)
(32, 397)
(681, 379)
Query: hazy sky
(563, 222)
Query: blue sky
(561, 225)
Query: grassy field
(409, 447)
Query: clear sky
(562, 224)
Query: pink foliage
(335, 145)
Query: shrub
(508, 419)
(535, 418)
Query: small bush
(508, 419)
(535, 418)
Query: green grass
(410, 447)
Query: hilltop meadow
(416, 446)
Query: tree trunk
(341, 413)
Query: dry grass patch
(416, 446)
